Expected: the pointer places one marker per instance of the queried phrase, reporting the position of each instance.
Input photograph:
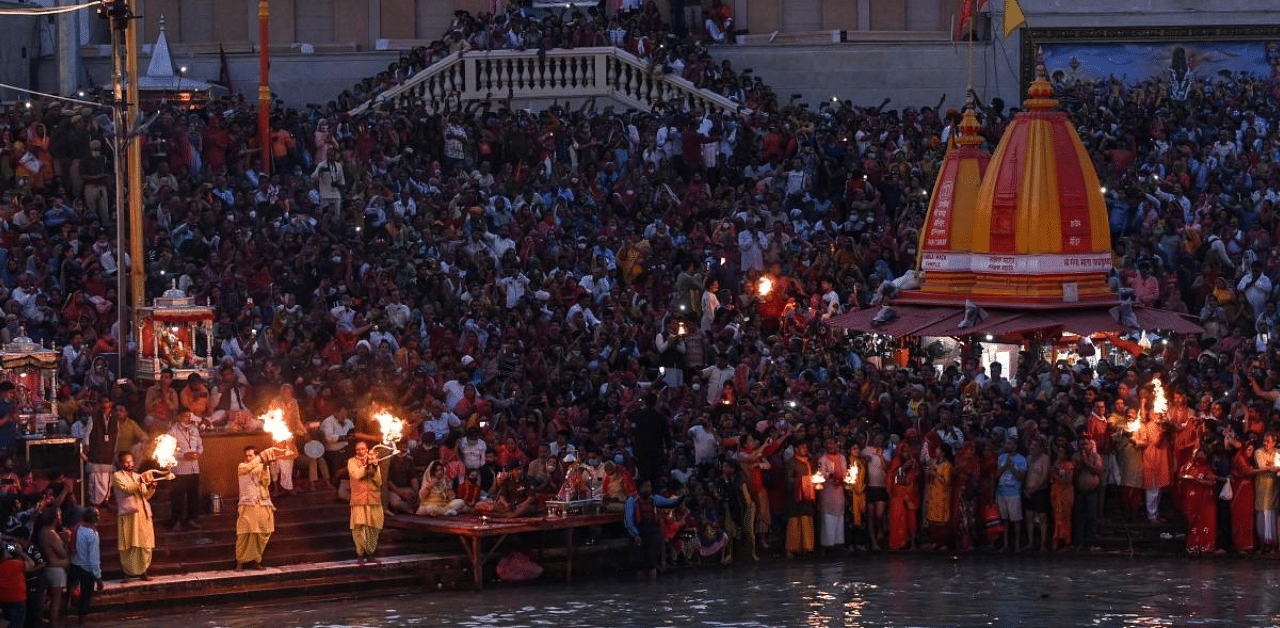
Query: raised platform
(472, 531)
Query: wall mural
(1183, 61)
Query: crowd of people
(636, 299)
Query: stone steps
(413, 570)
(332, 578)
(310, 528)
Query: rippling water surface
(880, 590)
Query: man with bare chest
(1036, 494)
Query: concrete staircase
(310, 527)
(309, 556)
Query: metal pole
(264, 88)
(137, 259)
(68, 51)
(118, 144)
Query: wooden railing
(552, 75)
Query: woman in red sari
(904, 498)
(1242, 472)
(1200, 502)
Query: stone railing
(552, 75)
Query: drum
(314, 449)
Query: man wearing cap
(93, 173)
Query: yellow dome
(1040, 231)
(947, 236)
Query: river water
(854, 591)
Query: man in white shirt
(717, 375)
(596, 284)
(440, 422)
(335, 428)
(1256, 287)
(229, 400)
(184, 490)
(705, 443)
(582, 307)
(343, 316)
(456, 385)
(751, 245)
(471, 449)
(710, 303)
(513, 284)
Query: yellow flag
(1013, 17)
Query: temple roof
(161, 75)
(947, 237)
(1039, 235)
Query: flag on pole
(1013, 17)
(224, 72)
(967, 10)
(966, 14)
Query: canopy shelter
(944, 321)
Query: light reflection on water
(882, 590)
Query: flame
(1133, 426)
(274, 424)
(851, 476)
(817, 479)
(766, 286)
(392, 426)
(166, 452)
(1159, 404)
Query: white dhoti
(99, 481)
(831, 531)
(282, 473)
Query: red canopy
(919, 320)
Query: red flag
(966, 14)
(224, 72)
(967, 9)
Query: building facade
(861, 50)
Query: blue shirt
(87, 553)
(1010, 485)
(629, 514)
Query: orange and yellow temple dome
(947, 237)
(1039, 235)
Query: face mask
(593, 462)
(618, 458)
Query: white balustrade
(551, 75)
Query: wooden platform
(472, 530)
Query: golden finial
(1040, 93)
